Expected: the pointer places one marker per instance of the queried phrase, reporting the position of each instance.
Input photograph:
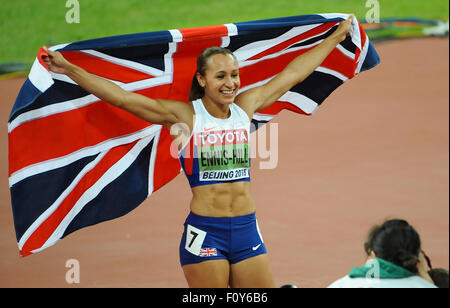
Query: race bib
(223, 155)
(194, 239)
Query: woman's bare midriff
(223, 200)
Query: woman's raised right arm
(156, 111)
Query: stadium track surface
(377, 149)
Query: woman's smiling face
(221, 80)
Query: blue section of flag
(109, 204)
(48, 186)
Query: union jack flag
(75, 160)
(208, 252)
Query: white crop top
(218, 150)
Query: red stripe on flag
(103, 68)
(278, 106)
(47, 227)
(340, 63)
(204, 33)
(166, 166)
(42, 53)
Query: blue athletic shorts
(211, 238)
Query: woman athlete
(221, 244)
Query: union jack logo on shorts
(208, 252)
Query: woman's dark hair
(440, 277)
(395, 241)
(202, 62)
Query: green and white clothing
(378, 273)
